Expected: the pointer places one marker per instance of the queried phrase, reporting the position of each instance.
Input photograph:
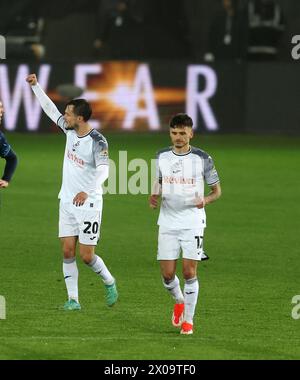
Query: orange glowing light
(115, 90)
(121, 96)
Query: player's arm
(212, 179)
(156, 188)
(155, 194)
(100, 150)
(101, 173)
(214, 194)
(11, 161)
(46, 103)
(10, 167)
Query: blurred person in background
(266, 24)
(226, 40)
(119, 29)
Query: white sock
(71, 278)
(191, 290)
(98, 266)
(174, 288)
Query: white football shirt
(86, 160)
(83, 154)
(182, 179)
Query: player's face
(1, 111)
(181, 136)
(70, 118)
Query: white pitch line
(95, 338)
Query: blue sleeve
(10, 167)
(4, 146)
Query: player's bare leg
(87, 254)
(70, 271)
(172, 284)
(191, 290)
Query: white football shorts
(172, 242)
(84, 223)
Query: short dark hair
(181, 120)
(81, 108)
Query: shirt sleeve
(10, 167)
(156, 187)
(61, 123)
(4, 146)
(210, 173)
(49, 107)
(101, 152)
(101, 175)
(158, 171)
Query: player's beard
(71, 128)
(181, 145)
(75, 127)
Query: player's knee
(189, 273)
(68, 251)
(86, 257)
(168, 277)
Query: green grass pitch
(244, 308)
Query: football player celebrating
(8, 154)
(181, 173)
(85, 169)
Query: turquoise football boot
(111, 294)
(72, 305)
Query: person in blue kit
(8, 154)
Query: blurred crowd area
(194, 30)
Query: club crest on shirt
(75, 145)
(177, 167)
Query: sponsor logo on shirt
(74, 158)
(178, 180)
